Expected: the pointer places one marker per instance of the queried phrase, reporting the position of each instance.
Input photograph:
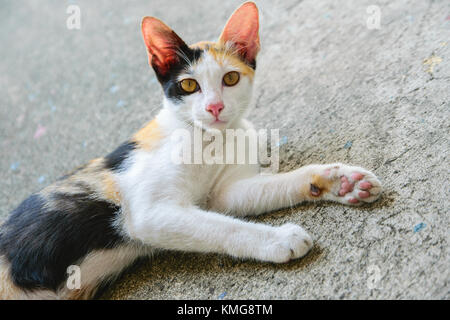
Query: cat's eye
(189, 85)
(231, 78)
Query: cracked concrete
(338, 92)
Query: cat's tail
(10, 291)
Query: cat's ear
(242, 29)
(163, 45)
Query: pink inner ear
(161, 42)
(242, 29)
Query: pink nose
(215, 108)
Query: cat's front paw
(290, 241)
(346, 184)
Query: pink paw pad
(363, 194)
(346, 186)
(365, 185)
(356, 176)
(353, 200)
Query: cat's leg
(192, 229)
(261, 193)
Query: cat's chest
(199, 181)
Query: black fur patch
(252, 64)
(169, 81)
(40, 243)
(115, 159)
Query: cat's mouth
(218, 124)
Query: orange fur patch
(220, 53)
(322, 183)
(84, 293)
(110, 190)
(148, 137)
(100, 181)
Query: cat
(103, 216)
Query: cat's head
(208, 83)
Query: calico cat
(105, 215)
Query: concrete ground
(338, 89)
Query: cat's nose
(215, 108)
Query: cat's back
(60, 224)
(77, 214)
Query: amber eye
(231, 78)
(189, 85)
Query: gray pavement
(338, 91)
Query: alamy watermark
(374, 278)
(231, 146)
(73, 21)
(374, 19)
(74, 277)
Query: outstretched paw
(346, 184)
(289, 242)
